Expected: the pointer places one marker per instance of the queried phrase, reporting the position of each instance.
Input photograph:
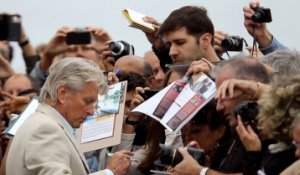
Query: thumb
(184, 153)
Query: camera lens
(116, 47)
(232, 43)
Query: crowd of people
(251, 127)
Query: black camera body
(149, 93)
(121, 48)
(248, 111)
(262, 15)
(232, 43)
(170, 156)
(10, 27)
(79, 37)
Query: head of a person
(154, 62)
(133, 80)
(136, 64)
(189, 33)
(243, 69)
(20, 84)
(279, 110)
(72, 88)
(285, 62)
(207, 127)
(174, 73)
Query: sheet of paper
(96, 128)
(31, 107)
(187, 103)
(110, 102)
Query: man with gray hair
(285, 62)
(46, 142)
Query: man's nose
(91, 110)
(173, 51)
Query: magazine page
(177, 104)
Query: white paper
(30, 109)
(184, 107)
(96, 128)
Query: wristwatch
(130, 122)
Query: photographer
(30, 55)
(266, 41)
(58, 46)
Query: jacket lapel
(44, 108)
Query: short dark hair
(133, 80)
(193, 18)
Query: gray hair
(73, 73)
(283, 61)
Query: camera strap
(254, 46)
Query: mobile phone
(78, 37)
(149, 93)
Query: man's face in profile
(184, 48)
(77, 105)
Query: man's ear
(221, 131)
(205, 41)
(61, 93)
(151, 82)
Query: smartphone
(149, 93)
(78, 37)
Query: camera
(262, 15)
(170, 156)
(149, 93)
(232, 43)
(248, 111)
(78, 37)
(121, 48)
(10, 27)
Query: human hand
(234, 88)
(56, 46)
(112, 78)
(247, 136)
(200, 66)
(218, 38)
(101, 37)
(258, 31)
(138, 97)
(152, 37)
(5, 68)
(120, 163)
(188, 166)
(14, 104)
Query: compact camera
(10, 27)
(262, 15)
(121, 48)
(248, 111)
(170, 156)
(79, 37)
(232, 43)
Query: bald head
(131, 63)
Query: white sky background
(42, 18)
